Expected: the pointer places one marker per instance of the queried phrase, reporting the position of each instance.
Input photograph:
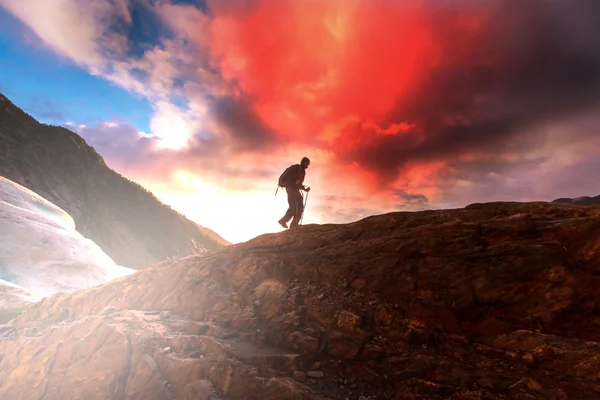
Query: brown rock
(300, 376)
(528, 357)
(315, 374)
(358, 283)
(511, 354)
(383, 316)
(165, 315)
(372, 352)
(196, 328)
(473, 290)
(302, 342)
(108, 310)
(322, 315)
(341, 345)
(270, 295)
(294, 294)
(348, 322)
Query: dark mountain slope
(584, 200)
(124, 219)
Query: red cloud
(396, 102)
(310, 65)
(327, 74)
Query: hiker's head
(305, 162)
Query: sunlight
(236, 216)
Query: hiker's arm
(300, 181)
(300, 186)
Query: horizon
(400, 106)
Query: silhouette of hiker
(292, 180)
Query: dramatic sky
(400, 104)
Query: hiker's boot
(283, 224)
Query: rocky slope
(126, 221)
(494, 301)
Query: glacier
(41, 252)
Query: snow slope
(40, 250)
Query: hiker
(292, 180)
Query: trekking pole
(304, 208)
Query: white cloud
(186, 21)
(173, 126)
(88, 32)
(119, 144)
(81, 30)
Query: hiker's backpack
(285, 179)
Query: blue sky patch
(55, 90)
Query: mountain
(42, 253)
(133, 227)
(493, 301)
(584, 200)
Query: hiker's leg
(291, 206)
(298, 208)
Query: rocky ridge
(494, 301)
